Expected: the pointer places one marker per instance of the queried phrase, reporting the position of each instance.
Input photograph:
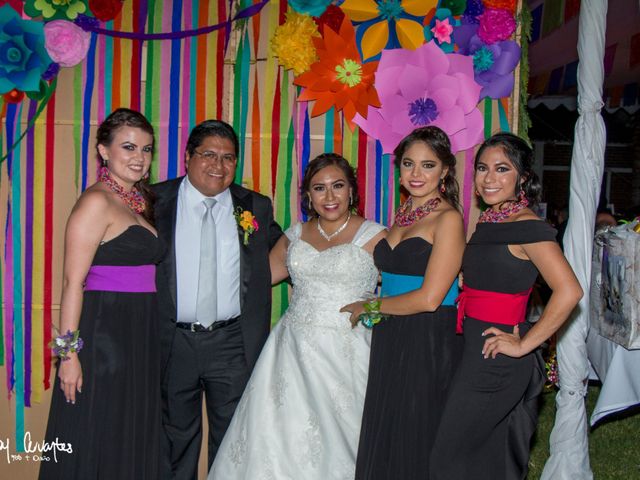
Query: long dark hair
(125, 117)
(321, 161)
(438, 141)
(520, 155)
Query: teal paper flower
(315, 8)
(23, 57)
(440, 28)
(55, 9)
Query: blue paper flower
(315, 8)
(23, 57)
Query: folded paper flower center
(349, 72)
(442, 31)
(13, 55)
(483, 59)
(62, 2)
(423, 111)
(390, 9)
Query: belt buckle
(193, 327)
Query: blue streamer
(328, 131)
(306, 149)
(174, 94)
(86, 113)
(18, 340)
(244, 104)
(108, 72)
(379, 186)
(504, 122)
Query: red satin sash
(494, 307)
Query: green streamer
(524, 121)
(152, 87)
(488, 110)
(77, 124)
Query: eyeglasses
(212, 157)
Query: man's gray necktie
(207, 302)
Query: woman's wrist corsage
(247, 222)
(63, 345)
(372, 315)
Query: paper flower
(388, 23)
(292, 42)
(456, 7)
(23, 58)
(55, 9)
(440, 29)
(496, 25)
(332, 18)
(105, 10)
(504, 4)
(472, 12)
(66, 42)
(13, 96)
(425, 87)
(493, 64)
(315, 8)
(339, 79)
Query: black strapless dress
(114, 427)
(413, 359)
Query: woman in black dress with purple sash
(106, 399)
(491, 412)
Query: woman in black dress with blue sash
(106, 399)
(415, 350)
(491, 412)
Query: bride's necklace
(405, 216)
(492, 216)
(328, 237)
(133, 199)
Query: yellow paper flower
(388, 23)
(292, 42)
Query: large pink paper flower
(66, 43)
(425, 87)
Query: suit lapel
(242, 199)
(166, 219)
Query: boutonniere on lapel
(247, 223)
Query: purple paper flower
(473, 11)
(425, 87)
(493, 64)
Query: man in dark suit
(214, 288)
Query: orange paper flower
(505, 4)
(339, 78)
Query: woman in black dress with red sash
(491, 412)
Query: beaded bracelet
(63, 345)
(372, 315)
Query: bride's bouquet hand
(355, 309)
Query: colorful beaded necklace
(133, 199)
(405, 216)
(492, 216)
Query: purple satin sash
(131, 279)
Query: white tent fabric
(569, 444)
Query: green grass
(614, 443)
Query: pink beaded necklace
(492, 216)
(133, 199)
(405, 216)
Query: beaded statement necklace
(405, 216)
(492, 216)
(327, 236)
(133, 199)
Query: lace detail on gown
(300, 415)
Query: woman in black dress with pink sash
(491, 412)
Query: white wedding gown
(299, 417)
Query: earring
(443, 189)
(521, 195)
(476, 193)
(350, 200)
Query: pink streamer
(101, 47)
(165, 88)
(371, 188)
(468, 185)
(186, 84)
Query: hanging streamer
(86, 114)
(468, 186)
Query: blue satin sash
(397, 284)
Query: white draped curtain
(569, 457)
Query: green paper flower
(55, 9)
(349, 73)
(23, 57)
(457, 7)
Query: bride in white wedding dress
(299, 417)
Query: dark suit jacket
(255, 274)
